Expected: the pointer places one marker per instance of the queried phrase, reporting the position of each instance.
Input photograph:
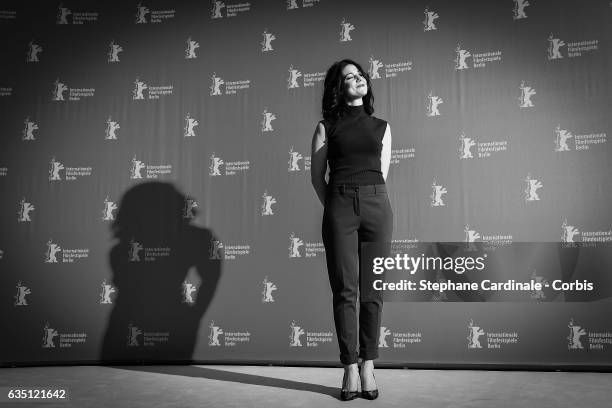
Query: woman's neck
(355, 102)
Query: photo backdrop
(156, 202)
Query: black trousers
(352, 215)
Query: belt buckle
(342, 189)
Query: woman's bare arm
(318, 162)
(385, 155)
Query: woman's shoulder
(327, 126)
(326, 122)
(379, 121)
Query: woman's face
(355, 85)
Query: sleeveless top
(354, 145)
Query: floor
(264, 386)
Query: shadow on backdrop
(158, 308)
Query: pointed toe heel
(370, 395)
(346, 395)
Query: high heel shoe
(369, 395)
(346, 395)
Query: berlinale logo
(294, 158)
(107, 212)
(345, 31)
(190, 124)
(187, 292)
(28, 130)
(141, 14)
(266, 206)
(133, 333)
(294, 74)
(215, 87)
(49, 333)
(107, 290)
(382, 338)
(22, 291)
(526, 93)
(33, 51)
(294, 337)
(25, 208)
(111, 128)
(576, 332)
(531, 191)
(53, 250)
(139, 88)
(554, 47)
(519, 9)
(430, 17)
(215, 332)
(295, 243)
(432, 104)
(436, 194)
(266, 122)
(215, 249)
(473, 337)
(190, 50)
(113, 53)
(58, 90)
(269, 287)
(266, 43)
(215, 163)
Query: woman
(357, 147)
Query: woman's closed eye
(353, 76)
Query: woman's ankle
(350, 381)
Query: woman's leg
(376, 227)
(340, 238)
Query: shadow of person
(231, 376)
(157, 311)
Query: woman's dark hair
(334, 103)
